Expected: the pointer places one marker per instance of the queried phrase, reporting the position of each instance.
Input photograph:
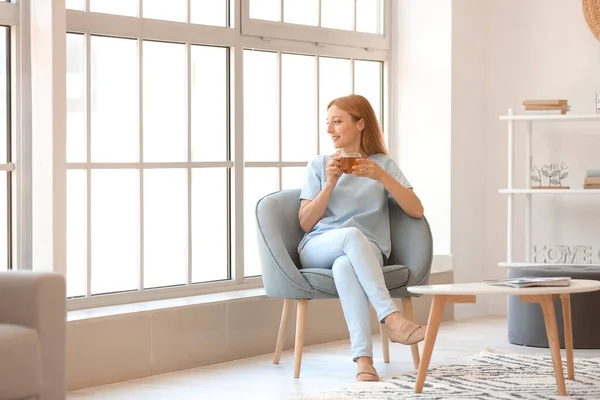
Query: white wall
(540, 49)
(439, 110)
(421, 99)
(505, 51)
(488, 56)
(468, 145)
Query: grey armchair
(279, 234)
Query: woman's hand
(334, 170)
(311, 212)
(369, 169)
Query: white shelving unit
(532, 264)
(511, 191)
(550, 191)
(550, 117)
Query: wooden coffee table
(467, 293)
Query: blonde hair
(371, 139)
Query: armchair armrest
(280, 273)
(412, 244)
(37, 300)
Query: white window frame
(316, 34)
(17, 243)
(237, 39)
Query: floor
(324, 367)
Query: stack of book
(546, 106)
(592, 179)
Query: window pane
(369, 16)
(165, 109)
(209, 103)
(4, 131)
(258, 182)
(4, 79)
(209, 224)
(76, 100)
(304, 12)
(119, 7)
(165, 227)
(3, 223)
(261, 110)
(115, 230)
(75, 4)
(298, 107)
(15, 225)
(209, 12)
(76, 232)
(172, 10)
(337, 14)
(335, 80)
(368, 82)
(115, 100)
(293, 177)
(265, 9)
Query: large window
(350, 15)
(148, 169)
(285, 100)
(9, 46)
(4, 135)
(7, 181)
(360, 23)
(177, 123)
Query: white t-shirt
(355, 201)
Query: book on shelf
(547, 102)
(597, 186)
(531, 281)
(544, 107)
(592, 180)
(593, 173)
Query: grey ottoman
(526, 322)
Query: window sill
(147, 306)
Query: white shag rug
(488, 375)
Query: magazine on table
(529, 281)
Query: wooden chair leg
(285, 316)
(385, 343)
(300, 322)
(409, 315)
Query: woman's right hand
(334, 169)
(311, 211)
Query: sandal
(409, 333)
(367, 376)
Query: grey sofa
(32, 335)
(279, 234)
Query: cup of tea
(349, 160)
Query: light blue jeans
(356, 264)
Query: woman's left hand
(368, 169)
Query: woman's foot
(401, 330)
(366, 371)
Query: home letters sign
(562, 254)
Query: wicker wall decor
(591, 12)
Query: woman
(346, 220)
